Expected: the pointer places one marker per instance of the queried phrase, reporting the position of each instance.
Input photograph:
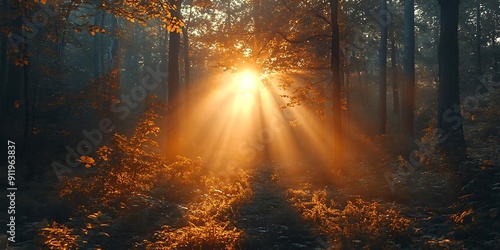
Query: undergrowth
(359, 224)
(209, 222)
(132, 192)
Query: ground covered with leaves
(132, 197)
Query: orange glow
(247, 81)
(241, 124)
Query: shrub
(209, 221)
(359, 224)
(58, 236)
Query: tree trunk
(394, 70)
(395, 84)
(187, 61)
(496, 61)
(409, 68)
(26, 96)
(335, 68)
(115, 65)
(102, 52)
(163, 41)
(15, 74)
(114, 48)
(95, 62)
(449, 117)
(20, 74)
(173, 138)
(342, 88)
(187, 64)
(347, 99)
(3, 63)
(478, 46)
(383, 70)
(187, 73)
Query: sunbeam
(242, 123)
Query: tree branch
(302, 40)
(324, 18)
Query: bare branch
(301, 40)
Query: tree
(383, 68)
(173, 138)
(409, 68)
(449, 116)
(478, 45)
(14, 56)
(3, 61)
(394, 70)
(99, 18)
(335, 68)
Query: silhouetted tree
(383, 68)
(478, 44)
(409, 68)
(3, 60)
(173, 138)
(335, 68)
(449, 116)
(394, 70)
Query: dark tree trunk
(114, 56)
(114, 47)
(135, 55)
(478, 46)
(115, 65)
(335, 68)
(394, 70)
(3, 62)
(27, 101)
(395, 84)
(19, 81)
(342, 88)
(96, 49)
(173, 137)
(163, 41)
(383, 70)
(15, 74)
(347, 99)
(102, 48)
(409, 68)
(496, 61)
(449, 117)
(187, 73)
(187, 61)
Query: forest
(250, 124)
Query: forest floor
(278, 205)
(274, 218)
(270, 221)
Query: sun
(247, 81)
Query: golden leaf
(87, 161)
(105, 234)
(95, 215)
